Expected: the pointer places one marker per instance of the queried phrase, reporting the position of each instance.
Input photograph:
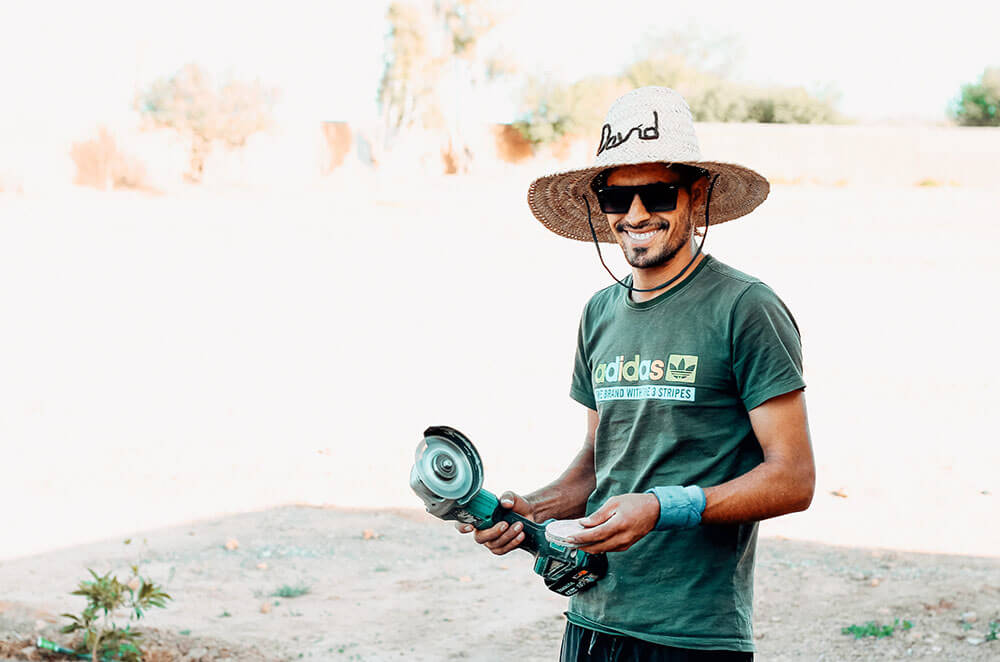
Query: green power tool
(448, 476)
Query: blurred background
(248, 254)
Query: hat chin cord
(630, 288)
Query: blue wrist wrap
(680, 507)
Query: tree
(978, 104)
(433, 60)
(204, 113)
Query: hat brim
(557, 200)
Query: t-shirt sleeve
(766, 347)
(582, 389)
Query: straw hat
(646, 125)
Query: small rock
(28, 652)
(369, 534)
(465, 578)
(936, 649)
(232, 544)
(875, 581)
(969, 617)
(262, 566)
(265, 607)
(760, 635)
(196, 654)
(776, 619)
(975, 641)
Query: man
(690, 373)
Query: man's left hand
(619, 523)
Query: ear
(699, 189)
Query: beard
(647, 257)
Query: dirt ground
(398, 584)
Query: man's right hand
(502, 537)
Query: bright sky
(75, 64)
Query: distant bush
(551, 110)
(101, 164)
(978, 104)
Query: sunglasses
(658, 196)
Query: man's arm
(782, 483)
(565, 497)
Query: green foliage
(873, 629)
(553, 110)
(204, 113)
(978, 104)
(684, 63)
(287, 591)
(994, 632)
(105, 594)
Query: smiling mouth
(643, 236)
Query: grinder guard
(447, 475)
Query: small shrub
(978, 104)
(105, 595)
(873, 629)
(287, 591)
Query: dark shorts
(583, 645)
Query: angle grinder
(448, 476)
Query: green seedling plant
(994, 632)
(105, 594)
(873, 629)
(287, 591)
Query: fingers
(517, 503)
(596, 534)
(510, 537)
(602, 514)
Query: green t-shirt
(672, 380)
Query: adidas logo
(681, 368)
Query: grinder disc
(446, 468)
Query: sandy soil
(413, 588)
(173, 359)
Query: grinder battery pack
(448, 476)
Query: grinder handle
(534, 534)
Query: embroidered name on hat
(611, 140)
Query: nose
(637, 212)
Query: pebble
(28, 651)
(232, 544)
(936, 649)
(975, 641)
(969, 617)
(195, 654)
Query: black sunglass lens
(616, 200)
(658, 197)
(655, 197)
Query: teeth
(641, 237)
